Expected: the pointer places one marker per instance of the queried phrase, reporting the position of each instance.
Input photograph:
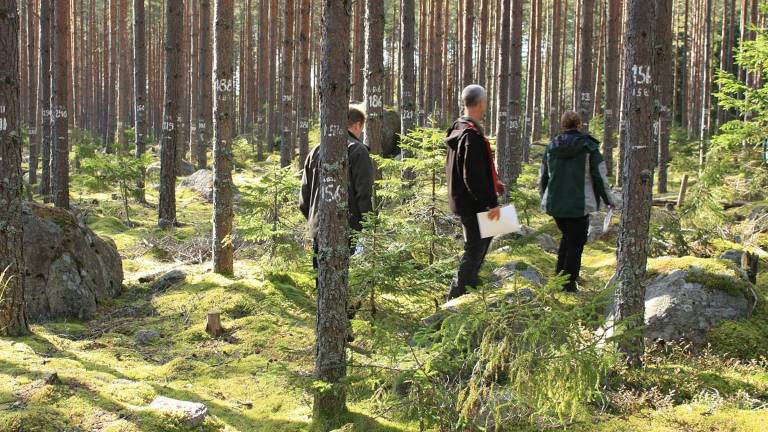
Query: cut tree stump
(683, 190)
(213, 326)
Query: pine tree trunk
(663, 64)
(305, 90)
(32, 97)
(286, 86)
(554, 70)
(140, 85)
(44, 95)
(262, 71)
(112, 81)
(469, 23)
(223, 251)
(333, 257)
(59, 103)
(13, 316)
(612, 67)
(374, 73)
(482, 62)
(271, 117)
(537, 81)
(204, 119)
(123, 73)
(515, 121)
(585, 84)
(638, 177)
(172, 105)
(706, 74)
(504, 152)
(358, 50)
(407, 64)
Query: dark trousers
(475, 250)
(571, 247)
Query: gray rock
(676, 309)
(191, 413)
(186, 169)
(732, 255)
(70, 270)
(201, 181)
(144, 337)
(168, 280)
(547, 242)
(515, 268)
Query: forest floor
(256, 377)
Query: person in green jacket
(572, 184)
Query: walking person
(473, 185)
(573, 183)
(361, 178)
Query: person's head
(570, 121)
(356, 120)
(474, 100)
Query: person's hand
(494, 214)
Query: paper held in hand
(507, 223)
(607, 220)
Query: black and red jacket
(471, 174)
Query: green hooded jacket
(573, 177)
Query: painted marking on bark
(32, 131)
(641, 74)
(3, 124)
(331, 191)
(168, 126)
(332, 130)
(407, 115)
(514, 124)
(2, 109)
(303, 124)
(60, 112)
(201, 125)
(586, 97)
(224, 85)
(140, 108)
(375, 101)
(502, 114)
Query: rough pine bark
(706, 73)
(223, 252)
(59, 103)
(638, 177)
(374, 73)
(408, 68)
(585, 83)
(663, 64)
(262, 73)
(304, 105)
(173, 76)
(32, 98)
(358, 50)
(112, 77)
(13, 316)
(482, 61)
(140, 86)
(515, 112)
(204, 113)
(333, 241)
(271, 113)
(554, 70)
(286, 86)
(44, 95)
(469, 24)
(612, 65)
(124, 76)
(507, 165)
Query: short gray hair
(472, 95)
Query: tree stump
(213, 326)
(683, 190)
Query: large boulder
(201, 181)
(688, 297)
(185, 169)
(70, 269)
(192, 414)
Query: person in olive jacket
(473, 185)
(572, 184)
(361, 178)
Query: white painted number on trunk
(224, 85)
(330, 191)
(3, 124)
(375, 101)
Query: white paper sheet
(507, 223)
(607, 221)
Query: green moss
(709, 272)
(746, 339)
(106, 225)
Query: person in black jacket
(361, 177)
(473, 185)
